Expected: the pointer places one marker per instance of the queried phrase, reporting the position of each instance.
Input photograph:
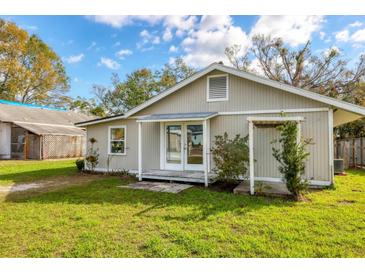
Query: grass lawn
(102, 220)
(26, 171)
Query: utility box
(338, 166)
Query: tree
(291, 156)
(139, 86)
(30, 71)
(327, 73)
(174, 73)
(356, 128)
(86, 106)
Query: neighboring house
(170, 136)
(34, 132)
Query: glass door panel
(194, 147)
(194, 144)
(174, 147)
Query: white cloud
(256, 67)
(207, 43)
(147, 38)
(172, 60)
(75, 58)
(167, 35)
(76, 80)
(172, 23)
(123, 53)
(358, 36)
(355, 24)
(119, 21)
(322, 35)
(342, 36)
(178, 24)
(213, 23)
(109, 63)
(173, 49)
(117, 44)
(294, 30)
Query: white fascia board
(82, 124)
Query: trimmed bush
(80, 164)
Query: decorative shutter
(217, 88)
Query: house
(35, 132)
(170, 136)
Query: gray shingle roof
(43, 121)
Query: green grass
(27, 171)
(101, 220)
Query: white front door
(183, 146)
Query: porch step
(170, 175)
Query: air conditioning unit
(338, 166)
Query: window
(117, 140)
(217, 88)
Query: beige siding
(151, 145)
(244, 95)
(315, 126)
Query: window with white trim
(217, 88)
(117, 140)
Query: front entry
(183, 146)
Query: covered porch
(184, 147)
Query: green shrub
(291, 156)
(80, 163)
(231, 157)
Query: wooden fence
(352, 151)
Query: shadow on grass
(194, 204)
(33, 175)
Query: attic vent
(217, 88)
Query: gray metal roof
(46, 129)
(43, 121)
(179, 116)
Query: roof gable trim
(265, 81)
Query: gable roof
(252, 77)
(42, 120)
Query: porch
(184, 147)
(191, 176)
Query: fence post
(361, 151)
(353, 152)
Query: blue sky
(94, 47)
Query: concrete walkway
(158, 186)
